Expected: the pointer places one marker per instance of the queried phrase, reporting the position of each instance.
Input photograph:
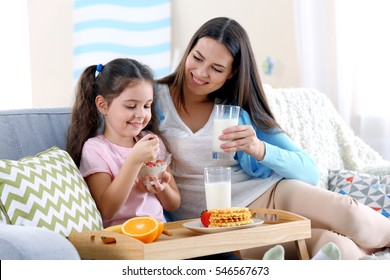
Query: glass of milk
(217, 183)
(224, 116)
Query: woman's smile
(197, 81)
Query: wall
(15, 74)
(51, 52)
(270, 26)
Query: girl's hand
(243, 138)
(146, 149)
(154, 186)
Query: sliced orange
(161, 227)
(145, 229)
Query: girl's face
(208, 66)
(128, 113)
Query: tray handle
(273, 216)
(103, 238)
(90, 245)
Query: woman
(268, 170)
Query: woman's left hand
(243, 138)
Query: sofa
(307, 115)
(25, 133)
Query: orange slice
(144, 229)
(161, 227)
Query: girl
(269, 170)
(110, 137)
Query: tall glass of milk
(217, 183)
(224, 116)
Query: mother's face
(208, 66)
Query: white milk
(219, 126)
(218, 195)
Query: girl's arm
(110, 194)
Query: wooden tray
(279, 227)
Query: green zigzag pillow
(47, 191)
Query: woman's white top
(191, 153)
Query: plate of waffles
(197, 226)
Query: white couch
(311, 120)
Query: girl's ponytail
(86, 119)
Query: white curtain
(108, 29)
(345, 53)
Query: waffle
(228, 217)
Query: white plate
(199, 227)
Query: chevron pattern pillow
(47, 191)
(2, 217)
(371, 190)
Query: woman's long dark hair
(244, 88)
(112, 79)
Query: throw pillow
(371, 190)
(3, 219)
(47, 191)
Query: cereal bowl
(155, 167)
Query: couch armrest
(33, 243)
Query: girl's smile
(136, 124)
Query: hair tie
(99, 68)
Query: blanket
(310, 119)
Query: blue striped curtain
(108, 29)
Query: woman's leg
(334, 212)
(329, 213)
(349, 250)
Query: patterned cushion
(371, 190)
(47, 191)
(2, 217)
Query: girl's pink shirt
(100, 155)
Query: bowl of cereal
(155, 167)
